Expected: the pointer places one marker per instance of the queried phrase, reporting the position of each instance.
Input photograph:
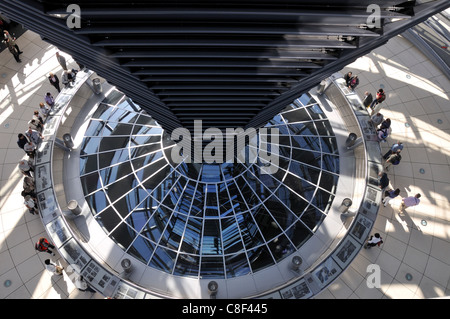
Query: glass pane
(187, 265)
(212, 241)
(330, 163)
(316, 112)
(249, 230)
(174, 232)
(155, 225)
(103, 111)
(90, 145)
(312, 217)
(163, 259)
(111, 158)
(299, 234)
(281, 247)
(139, 218)
(108, 219)
(225, 206)
(94, 128)
(123, 235)
(90, 183)
(260, 258)
(97, 202)
(237, 265)
(329, 145)
(212, 267)
(192, 239)
(231, 238)
(88, 164)
(268, 226)
(113, 142)
(298, 115)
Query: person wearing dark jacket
(22, 140)
(353, 83)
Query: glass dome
(206, 220)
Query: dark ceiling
(230, 63)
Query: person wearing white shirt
(30, 203)
(373, 241)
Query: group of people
(391, 157)
(43, 245)
(29, 141)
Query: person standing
(393, 159)
(38, 117)
(394, 148)
(54, 81)
(53, 268)
(12, 40)
(13, 51)
(380, 97)
(409, 202)
(347, 78)
(34, 124)
(30, 149)
(61, 61)
(43, 245)
(368, 99)
(374, 240)
(28, 187)
(383, 181)
(382, 134)
(386, 123)
(390, 195)
(44, 110)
